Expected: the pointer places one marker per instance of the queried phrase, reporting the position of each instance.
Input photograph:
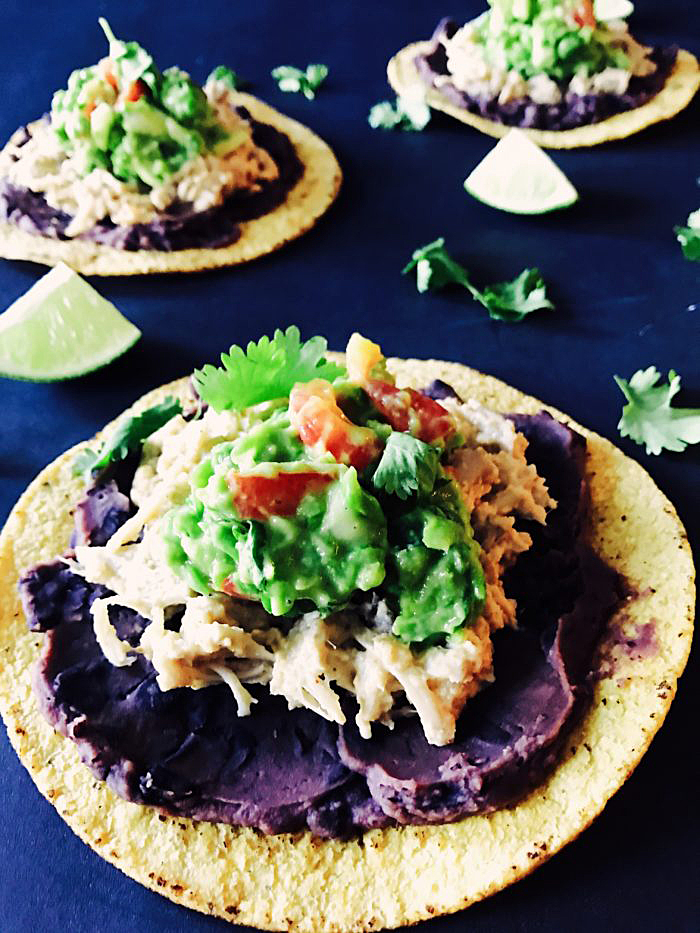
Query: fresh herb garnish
(689, 237)
(294, 80)
(407, 466)
(505, 301)
(512, 301)
(435, 268)
(127, 438)
(131, 61)
(226, 76)
(266, 370)
(648, 417)
(409, 114)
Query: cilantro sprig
(294, 80)
(132, 62)
(648, 417)
(127, 438)
(409, 114)
(689, 237)
(265, 370)
(226, 76)
(407, 466)
(504, 301)
(512, 301)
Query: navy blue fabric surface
(625, 299)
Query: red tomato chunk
(259, 497)
(409, 410)
(319, 422)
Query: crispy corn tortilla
(302, 208)
(678, 91)
(298, 882)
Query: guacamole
(559, 38)
(138, 123)
(306, 510)
(331, 545)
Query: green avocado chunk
(435, 579)
(271, 441)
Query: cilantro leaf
(131, 61)
(689, 237)
(407, 466)
(128, 437)
(408, 113)
(294, 80)
(227, 76)
(648, 417)
(505, 301)
(266, 370)
(690, 242)
(435, 268)
(383, 116)
(511, 301)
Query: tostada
(551, 68)
(304, 622)
(138, 170)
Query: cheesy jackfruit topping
(323, 532)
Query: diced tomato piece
(230, 588)
(409, 410)
(135, 91)
(259, 497)
(107, 69)
(585, 16)
(319, 422)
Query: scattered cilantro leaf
(648, 417)
(266, 370)
(383, 116)
(505, 301)
(128, 437)
(407, 466)
(408, 113)
(435, 268)
(294, 80)
(227, 76)
(689, 237)
(512, 301)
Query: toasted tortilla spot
(678, 91)
(303, 207)
(341, 886)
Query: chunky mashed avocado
(291, 513)
(140, 124)
(435, 578)
(559, 38)
(334, 543)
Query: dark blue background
(624, 300)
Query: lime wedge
(605, 10)
(518, 177)
(61, 328)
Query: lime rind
(61, 329)
(518, 177)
